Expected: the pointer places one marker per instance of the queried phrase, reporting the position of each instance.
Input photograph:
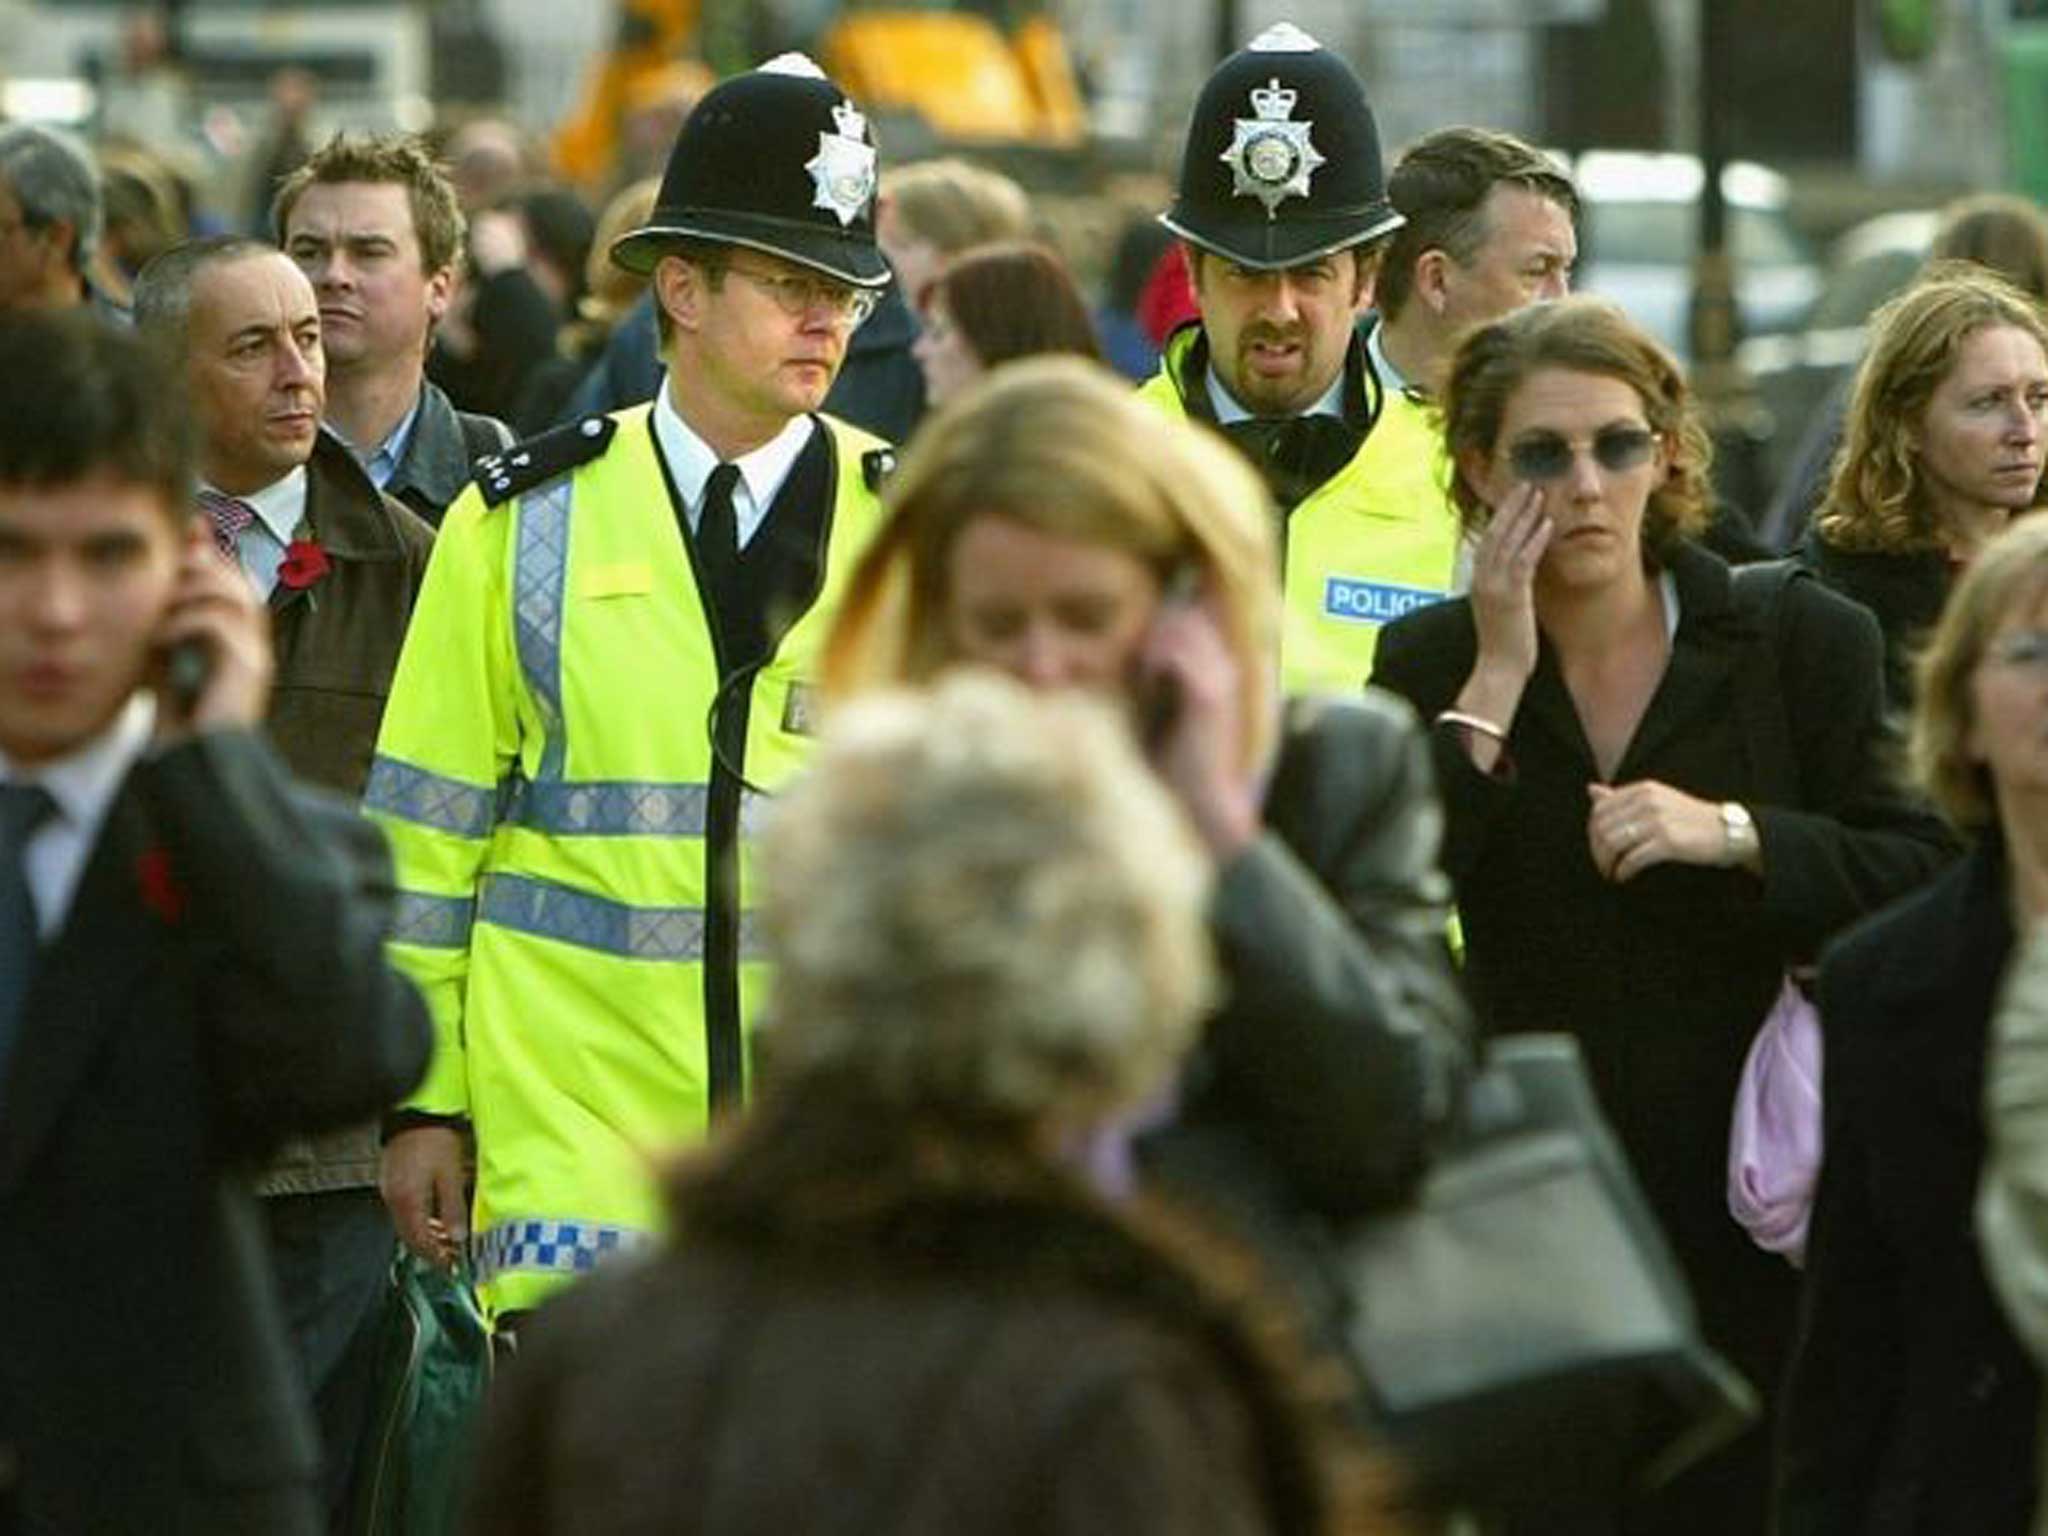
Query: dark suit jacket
(218, 983)
(1911, 1407)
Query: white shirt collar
(1224, 403)
(83, 781)
(280, 506)
(1392, 380)
(762, 472)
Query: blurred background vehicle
(1639, 240)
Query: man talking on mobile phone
(190, 969)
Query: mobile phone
(1157, 695)
(187, 668)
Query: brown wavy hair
(1578, 335)
(1875, 501)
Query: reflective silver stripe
(539, 578)
(413, 794)
(552, 1247)
(592, 922)
(435, 922)
(610, 808)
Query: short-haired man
(611, 662)
(338, 565)
(1490, 228)
(51, 215)
(189, 969)
(1283, 210)
(375, 226)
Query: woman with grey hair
(894, 1303)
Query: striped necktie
(229, 516)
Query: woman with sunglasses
(1627, 868)
(1946, 431)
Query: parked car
(1639, 237)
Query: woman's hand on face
(1199, 750)
(1503, 584)
(1634, 826)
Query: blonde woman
(1049, 526)
(1910, 1405)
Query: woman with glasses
(1911, 1406)
(1946, 433)
(1660, 791)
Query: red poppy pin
(160, 890)
(305, 564)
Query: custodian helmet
(778, 159)
(1282, 161)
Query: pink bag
(1774, 1142)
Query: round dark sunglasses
(1542, 456)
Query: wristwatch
(1738, 833)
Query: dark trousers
(332, 1253)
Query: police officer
(1283, 209)
(609, 662)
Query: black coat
(1665, 980)
(1911, 1407)
(1904, 593)
(218, 983)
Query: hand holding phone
(1188, 701)
(213, 643)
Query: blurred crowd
(963, 809)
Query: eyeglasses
(2025, 651)
(1543, 456)
(798, 296)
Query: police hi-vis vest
(568, 838)
(1376, 540)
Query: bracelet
(1477, 723)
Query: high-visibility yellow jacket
(1375, 540)
(567, 836)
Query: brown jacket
(858, 1331)
(337, 642)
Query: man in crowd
(1283, 210)
(190, 969)
(1489, 229)
(588, 705)
(375, 226)
(50, 221)
(338, 565)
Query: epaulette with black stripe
(518, 469)
(876, 466)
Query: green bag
(433, 1366)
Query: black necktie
(718, 540)
(23, 808)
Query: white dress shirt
(690, 462)
(83, 784)
(1227, 410)
(279, 507)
